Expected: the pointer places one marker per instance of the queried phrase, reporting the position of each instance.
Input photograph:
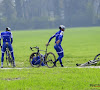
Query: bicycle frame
(7, 52)
(39, 50)
(46, 59)
(8, 57)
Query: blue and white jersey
(6, 36)
(58, 35)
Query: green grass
(79, 44)
(49, 79)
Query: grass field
(79, 44)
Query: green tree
(19, 8)
(8, 10)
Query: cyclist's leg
(2, 59)
(58, 48)
(60, 53)
(33, 61)
(12, 53)
(37, 62)
(3, 51)
(42, 64)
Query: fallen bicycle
(91, 62)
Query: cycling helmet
(61, 27)
(8, 29)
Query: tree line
(42, 14)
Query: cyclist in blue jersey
(7, 42)
(58, 39)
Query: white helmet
(8, 29)
(61, 27)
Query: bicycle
(91, 62)
(9, 59)
(47, 59)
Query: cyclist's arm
(11, 38)
(51, 38)
(0, 40)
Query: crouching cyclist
(36, 60)
(7, 43)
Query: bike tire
(31, 58)
(9, 59)
(97, 58)
(50, 59)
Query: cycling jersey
(58, 35)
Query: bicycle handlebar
(38, 48)
(34, 47)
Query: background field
(79, 44)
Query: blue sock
(60, 61)
(1, 63)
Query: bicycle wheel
(9, 58)
(35, 60)
(50, 59)
(97, 58)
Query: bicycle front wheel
(35, 60)
(97, 59)
(50, 59)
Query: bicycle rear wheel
(9, 59)
(35, 60)
(50, 59)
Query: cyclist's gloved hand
(47, 44)
(1, 46)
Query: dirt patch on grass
(11, 79)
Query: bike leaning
(37, 59)
(9, 59)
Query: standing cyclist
(58, 40)
(7, 43)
